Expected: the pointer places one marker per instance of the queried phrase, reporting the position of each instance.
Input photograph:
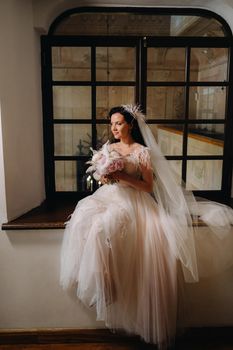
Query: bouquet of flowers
(104, 162)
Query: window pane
(207, 102)
(195, 26)
(165, 102)
(209, 64)
(115, 64)
(103, 134)
(110, 96)
(176, 166)
(71, 176)
(154, 129)
(123, 23)
(72, 102)
(166, 64)
(72, 139)
(65, 175)
(205, 139)
(71, 63)
(170, 139)
(204, 175)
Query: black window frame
(141, 44)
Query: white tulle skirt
(121, 251)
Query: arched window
(175, 63)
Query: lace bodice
(136, 161)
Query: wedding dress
(121, 248)
(115, 249)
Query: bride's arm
(143, 184)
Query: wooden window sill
(52, 215)
(49, 215)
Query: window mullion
(186, 111)
(142, 69)
(93, 95)
(47, 91)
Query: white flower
(104, 162)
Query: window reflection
(115, 64)
(176, 166)
(71, 63)
(166, 64)
(165, 102)
(207, 102)
(205, 139)
(109, 96)
(204, 174)
(170, 139)
(65, 176)
(103, 134)
(209, 64)
(71, 102)
(133, 23)
(72, 139)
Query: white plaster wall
(21, 111)
(30, 295)
(3, 214)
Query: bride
(122, 244)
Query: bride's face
(119, 127)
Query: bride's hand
(113, 177)
(104, 180)
(117, 175)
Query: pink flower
(105, 162)
(115, 165)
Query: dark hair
(135, 132)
